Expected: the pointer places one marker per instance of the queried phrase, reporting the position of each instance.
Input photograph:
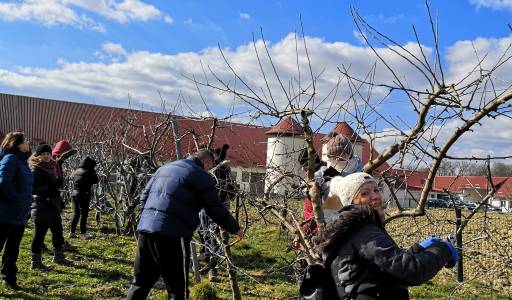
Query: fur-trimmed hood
(50, 167)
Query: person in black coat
(170, 206)
(83, 179)
(363, 259)
(209, 233)
(47, 206)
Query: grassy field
(103, 266)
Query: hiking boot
(68, 247)
(37, 263)
(72, 235)
(85, 237)
(59, 258)
(12, 285)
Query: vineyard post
(458, 237)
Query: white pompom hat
(346, 188)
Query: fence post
(458, 241)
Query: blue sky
(99, 51)
(200, 24)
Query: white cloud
(114, 48)
(64, 12)
(168, 20)
(244, 16)
(188, 21)
(383, 19)
(359, 37)
(144, 74)
(48, 12)
(493, 4)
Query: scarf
(49, 167)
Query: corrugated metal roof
(46, 120)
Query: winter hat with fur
(346, 188)
(339, 145)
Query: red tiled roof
(345, 129)
(288, 126)
(457, 184)
(412, 180)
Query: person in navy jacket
(15, 201)
(170, 205)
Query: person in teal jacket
(15, 201)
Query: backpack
(317, 283)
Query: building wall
(504, 204)
(282, 157)
(408, 198)
(250, 180)
(473, 194)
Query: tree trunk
(233, 279)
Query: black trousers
(41, 226)
(80, 212)
(10, 239)
(161, 256)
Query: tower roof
(288, 126)
(345, 129)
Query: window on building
(246, 176)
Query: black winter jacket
(45, 191)
(367, 258)
(84, 178)
(224, 183)
(173, 197)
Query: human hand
(239, 235)
(295, 244)
(429, 241)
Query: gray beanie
(339, 145)
(346, 188)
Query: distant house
(474, 188)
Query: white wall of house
(282, 157)
(407, 199)
(504, 204)
(245, 177)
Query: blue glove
(455, 256)
(429, 241)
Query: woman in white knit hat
(356, 188)
(363, 260)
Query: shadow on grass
(97, 257)
(253, 260)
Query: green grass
(103, 269)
